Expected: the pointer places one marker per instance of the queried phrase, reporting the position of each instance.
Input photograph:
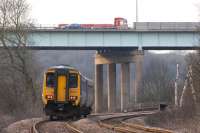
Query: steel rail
(36, 126)
(125, 127)
(73, 129)
(148, 129)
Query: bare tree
(188, 85)
(157, 82)
(192, 82)
(17, 64)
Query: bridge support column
(98, 88)
(138, 75)
(111, 57)
(111, 87)
(125, 85)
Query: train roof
(68, 67)
(62, 67)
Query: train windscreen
(73, 80)
(50, 80)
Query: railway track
(113, 121)
(118, 124)
(151, 108)
(36, 127)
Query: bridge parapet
(174, 26)
(137, 26)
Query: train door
(61, 88)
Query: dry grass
(8, 118)
(5, 120)
(180, 120)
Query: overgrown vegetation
(159, 76)
(178, 120)
(18, 68)
(184, 118)
(193, 60)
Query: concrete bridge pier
(111, 87)
(111, 58)
(98, 87)
(138, 75)
(125, 86)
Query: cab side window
(73, 80)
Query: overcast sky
(103, 11)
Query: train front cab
(61, 93)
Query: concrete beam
(125, 85)
(111, 87)
(98, 88)
(110, 57)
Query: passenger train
(119, 23)
(66, 92)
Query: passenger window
(50, 82)
(73, 80)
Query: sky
(53, 12)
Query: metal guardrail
(166, 25)
(137, 26)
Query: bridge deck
(144, 35)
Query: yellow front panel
(61, 90)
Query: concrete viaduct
(118, 46)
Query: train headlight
(49, 96)
(73, 98)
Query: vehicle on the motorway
(119, 23)
(66, 92)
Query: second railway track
(118, 124)
(36, 128)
